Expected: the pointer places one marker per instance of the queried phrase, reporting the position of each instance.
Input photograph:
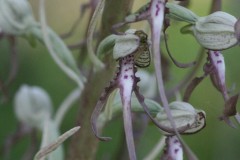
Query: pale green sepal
(220, 17)
(125, 45)
(216, 31)
(212, 41)
(180, 13)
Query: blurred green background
(217, 141)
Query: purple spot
(126, 70)
(125, 77)
(216, 53)
(175, 141)
(158, 9)
(219, 61)
(176, 150)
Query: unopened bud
(180, 13)
(15, 16)
(32, 106)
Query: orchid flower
(215, 68)
(217, 75)
(215, 32)
(129, 56)
(132, 51)
(154, 13)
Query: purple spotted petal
(126, 82)
(173, 150)
(218, 71)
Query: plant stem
(216, 5)
(84, 144)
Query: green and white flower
(215, 31)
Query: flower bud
(32, 106)
(184, 115)
(180, 13)
(15, 16)
(216, 31)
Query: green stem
(84, 144)
(216, 5)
